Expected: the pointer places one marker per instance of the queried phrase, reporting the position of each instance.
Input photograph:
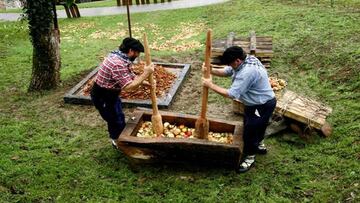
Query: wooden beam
(252, 43)
(230, 40)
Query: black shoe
(246, 164)
(261, 149)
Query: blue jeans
(108, 103)
(255, 125)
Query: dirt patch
(188, 98)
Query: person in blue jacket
(250, 85)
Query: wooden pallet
(261, 47)
(164, 149)
(139, 2)
(294, 106)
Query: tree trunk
(46, 62)
(2, 5)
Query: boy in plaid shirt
(113, 76)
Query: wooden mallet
(156, 119)
(202, 124)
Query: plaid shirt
(115, 72)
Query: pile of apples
(277, 84)
(181, 131)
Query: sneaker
(246, 164)
(261, 148)
(113, 143)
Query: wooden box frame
(75, 97)
(166, 149)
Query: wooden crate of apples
(181, 132)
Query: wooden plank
(266, 64)
(263, 43)
(230, 40)
(242, 44)
(263, 39)
(263, 52)
(261, 47)
(265, 59)
(297, 107)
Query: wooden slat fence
(139, 2)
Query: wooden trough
(261, 47)
(164, 149)
(291, 105)
(76, 94)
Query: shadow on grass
(115, 160)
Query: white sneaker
(246, 164)
(113, 143)
(261, 148)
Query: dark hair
(131, 43)
(231, 54)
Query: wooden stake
(156, 117)
(202, 124)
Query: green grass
(55, 152)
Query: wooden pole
(156, 117)
(128, 16)
(202, 124)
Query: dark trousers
(255, 125)
(108, 103)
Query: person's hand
(203, 68)
(146, 83)
(149, 68)
(207, 82)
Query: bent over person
(115, 74)
(250, 85)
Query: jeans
(108, 103)
(256, 119)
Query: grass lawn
(56, 152)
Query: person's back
(114, 71)
(250, 82)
